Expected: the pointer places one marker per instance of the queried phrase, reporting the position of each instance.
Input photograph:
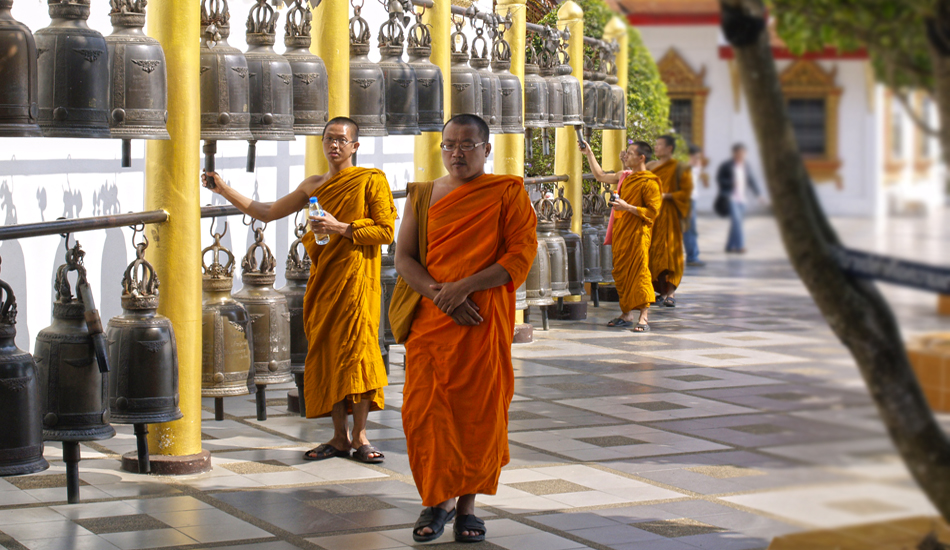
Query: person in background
(697, 163)
(666, 245)
(733, 179)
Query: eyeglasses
(465, 147)
(342, 142)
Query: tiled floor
(739, 418)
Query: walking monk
(344, 372)
(629, 230)
(666, 248)
(466, 242)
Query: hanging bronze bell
(297, 272)
(591, 96)
(429, 82)
(402, 98)
(367, 83)
(73, 71)
(512, 121)
(226, 346)
(575, 256)
(556, 247)
(138, 92)
(535, 93)
(270, 319)
(555, 87)
(21, 441)
(589, 236)
(538, 283)
(573, 94)
(599, 76)
(18, 73)
(606, 250)
(74, 393)
(491, 84)
(618, 103)
(521, 297)
(224, 82)
(466, 82)
(311, 94)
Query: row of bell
(605, 102)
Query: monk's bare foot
(448, 506)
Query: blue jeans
(736, 213)
(690, 237)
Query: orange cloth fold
(342, 303)
(631, 240)
(666, 248)
(459, 379)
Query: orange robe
(342, 303)
(666, 247)
(631, 240)
(459, 379)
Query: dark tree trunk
(854, 308)
(938, 37)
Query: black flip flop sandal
(363, 455)
(470, 523)
(434, 518)
(325, 451)
(645, 327)
(619, 322)
(669, 302)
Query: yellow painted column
(427, 156)
(330, 36)
(509, 148)
(171, 184)
(567, 157)
(615, 140)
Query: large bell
(297, 272)
(556, 247)
(548, 68)
(589, 237)
(73, 74)
(429, 83)
(466, 82)
(311, 95)
(575, 255)
(512, 121)
(224, 82)
(591, 96)
(573, 94)
(618, 102)
(367, 83)
(402, 98)
(521, 297)
(599, 76)
(270, 82)
(606, 250)
(270, 319)
(535, 93)
(143, 389)
(491, 84)
(21, 441)
(226, 347)
(538, 283)
(18, 93)
(138, 91)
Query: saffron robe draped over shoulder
(342, 303)
(666, 248)
(631, 240)
(459, 379)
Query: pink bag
(610, 223)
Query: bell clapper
(251, 155)
(126, 153)
(262, 402)
(210, 149)
(71, 457)
(219, 409)
(141, 441)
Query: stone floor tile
(363, 541)
(45, 530)
(615, 534)
(134, 540)
(224, 532)
(90, 542)
(574, 521)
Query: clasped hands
(453, 300)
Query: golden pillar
(509, 148)
(567, 157)
(427, 156)
(615, 140)
(171, 184)
(330, 35)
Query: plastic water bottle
(314, 212)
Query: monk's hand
(667, 196)
(466, 314)
(213, 181)
(450, 295)
(327, 224)
(621, 205)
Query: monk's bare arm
(263, 211)
(599, 174)
(379, 228)
(408, 264)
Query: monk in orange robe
(634, 209)
(666, 248)
(466, 242)
(344, 372)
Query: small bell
(311, 95)
(548, 66)
(70, 52)
(402, 98)
(466, 82)
(564, 215)
(606, 250)
(573, 111)
(618, 102)
(19, 118)
(512, 121)
(429, 82)
(367, 83)
(592, 220)
(491, 84)
(556, 246)
(535, 100)
(297, 272)
(591, 96)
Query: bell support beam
(171, 170)
(614, 140)
(426, 153)
(567, 157)
(330, 36)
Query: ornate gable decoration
(679, 77)
(807, 78)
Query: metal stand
(210, 149)
(251, 155)
(527, 317)
(126, 153)
(141, 440)
(261, 402)
(544, 318)
(71, 458)
(219, 408)
(595, 293)
(301, 400)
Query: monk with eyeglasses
(344, 372)
(466, 242)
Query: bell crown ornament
(8, 311)
(66, 305)
(367, 81)
(258, 273)
(298, 265)
(564, 212)
(20, 66)
(140, 281)
(311, 93)
(217, 277)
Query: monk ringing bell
(634, 209)
(344, 372)
(666, 248)
(466, 242)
